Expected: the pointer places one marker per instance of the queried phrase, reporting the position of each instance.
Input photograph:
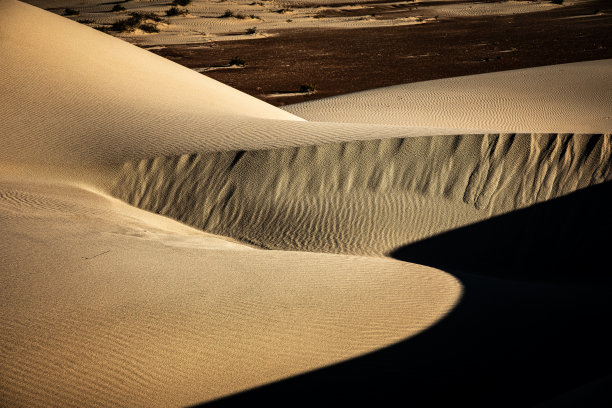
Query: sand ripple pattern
(564, 98)
(364, 196)
(94, 313)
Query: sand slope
(98, 101)
(104, 304)
(364, 197)
(107, 305)
(566, 98)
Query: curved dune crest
(105, 305)
(83, 98)
(566, 98)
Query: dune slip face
(365, 197)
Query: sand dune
(527, 332)
(364, 197)
(566, 98)
(107, 305)
(104, 304)
(117, 102)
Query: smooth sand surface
(104, 304)
(566, 98)
(107, 305)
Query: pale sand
(114, 102)
(108, 305)
(566, 98)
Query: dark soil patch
(349, 60)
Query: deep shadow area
(513, 340)
(563, 239)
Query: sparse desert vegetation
(175, 11)
(117, 8)
(149, 28)
(236, 61)
(308, 88)
(231, 14)
(144, 21)
(251, 30)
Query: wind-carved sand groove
(364, 196)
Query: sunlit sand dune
(99, 100)
(105, 304)
(566, 98)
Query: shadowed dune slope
(565, 98)
(364, 197)
(527, 332)
(554, 240)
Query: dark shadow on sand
(531, 328)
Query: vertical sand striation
(364, 197)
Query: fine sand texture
(364, 197)
(565, 98)
(119, 102)
(169, 240)
(104, 304)
(527, 332)
(107, 305)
